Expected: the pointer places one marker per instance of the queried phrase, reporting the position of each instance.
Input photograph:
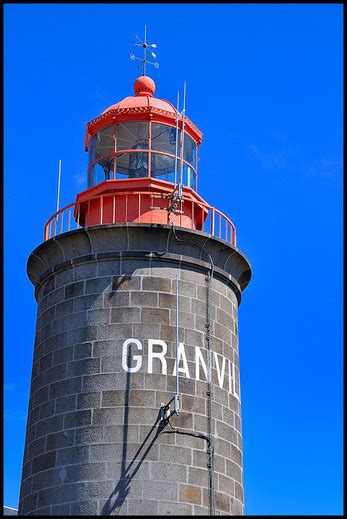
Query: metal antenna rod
(178, 100)
(182, 140)
(177, 395)
(59, 174)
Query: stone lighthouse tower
(135, 393)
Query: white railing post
(62, 221)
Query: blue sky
(264, 84)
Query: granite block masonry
(105, 361)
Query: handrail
(214, 222)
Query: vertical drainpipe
(210, 447)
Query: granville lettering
(225, 369)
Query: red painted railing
(68, 218)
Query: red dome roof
(141, 106)
(143, 101)
(144, 88)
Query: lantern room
(142, 137)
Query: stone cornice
(152, 241)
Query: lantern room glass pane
(189, 150)
(102, 170)
(103, 143)
(164, 138)
(132, 165)
(98, 174)
(91, 149)
(188, 177)
(163, 167)
(132, 136)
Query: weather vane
(145, 46)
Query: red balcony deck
(140, 206)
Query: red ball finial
(144, 86)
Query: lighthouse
(135, 399)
